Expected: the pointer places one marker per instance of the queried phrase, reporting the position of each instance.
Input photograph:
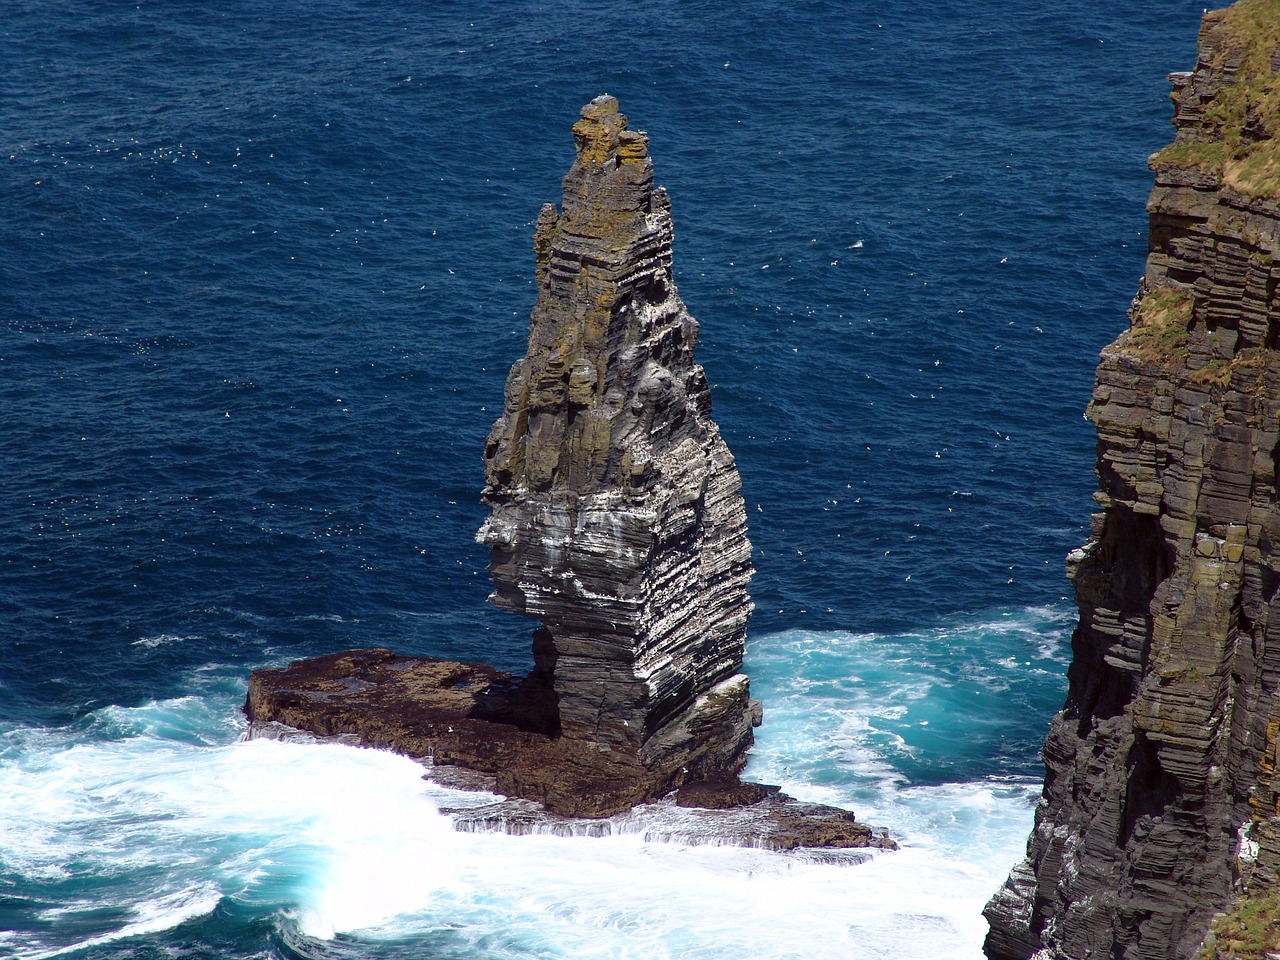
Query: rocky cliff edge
(1161, 803)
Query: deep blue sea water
(263, 268)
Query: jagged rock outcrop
(616, 520)
(615, 513)
(1161, 802)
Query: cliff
(1161, 804)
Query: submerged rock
(1162, 793)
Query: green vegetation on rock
(1215, 373)
(1251, 931)
(1159, 331)
(1241, 119)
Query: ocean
(263, 268)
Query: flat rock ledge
(474, 728)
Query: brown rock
(722, 794)
(475, 719)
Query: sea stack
(615, 513)
(615, 520)
(1161, 803)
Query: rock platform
(470, 725)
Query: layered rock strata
(616, 520)
(1161, 802)
(615, 513)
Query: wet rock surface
(1161, 802)
(468, 724)
(460, 714)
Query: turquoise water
(263, 268)
(159, 825)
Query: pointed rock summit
(615, 513)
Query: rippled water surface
(263, 268)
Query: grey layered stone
(1161, 768)
(615, 513)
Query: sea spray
(135, 820)
(850, 715)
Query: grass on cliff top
(1251, 29)
(1251, 931)
(1159, 331)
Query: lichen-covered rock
(1161, 800)
(615, 513)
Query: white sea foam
(621, 898)
(149, 916)
(348, 841)
(162, 639)
(164, 815)
(161, 830)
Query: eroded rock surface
(458, 714)
(472, 726)
(1162, 797)
(615, 513)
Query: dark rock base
(478, 727)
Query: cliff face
(615, 513)
(1162, 795)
